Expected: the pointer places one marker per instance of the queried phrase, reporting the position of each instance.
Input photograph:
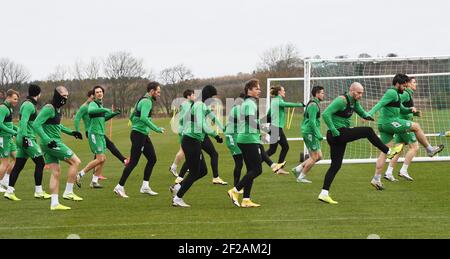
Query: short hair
(12, 92)
(98, 87)
(242, 95)
(400, 79)
(316, 89)
(188, 93)
(152, 86)
(275, 90)
(90, 93)
(252, 83)
(410, 78)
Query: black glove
(218, 139)
(25, 143)
(369, 118)
(52, 144)
(77, 134)
(86, 135)
(118, 111)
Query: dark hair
(12, 92)
(410, 78)
(242, 95)
(252, 83)
(208, 92)
(90, 93)
(188, 93)
(400, 79)
(98, 87)
(316, 89)
(152, 86)
(275, 90)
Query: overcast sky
(216, 38)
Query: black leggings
(208, 147)
(140, 144)
(252, 158)
(20, 164)
(282, 140)
(192, 149)
(338, 145)
(114, 150)
(238, 164)
(265, 158)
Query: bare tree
(12, 74)
(93, 68)
(281, 58)
(60, 73)
(123, 69)
(391, 55)
(174, 80)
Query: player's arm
(312, 114)
(110, 114)
(201, 112)
(94, 109)
(146, 106)
(214, 118)
(361, 112)
(3, 113)
(283, 104)
(388, 97)
(338, 104)
(66, 130)
(26, 112)
(79, 116)
(404, 110)
(45, 114)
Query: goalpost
(432, 96)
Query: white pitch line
(219, 222)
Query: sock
(389, 170)
(94, 178)
(82, 173)
(173, 166)
(119, 186)
(324, 192)
(299, 168)
(273, 165)
(145, 185)
(429, 148)
(177, 187)
(235, 190)
(38, 189)
(69, 188)
(404, 168)
(55, 200)
(301, 176)
(10, 190)
(6, 179)
(176, 198)
(246, 199)
(377, 177)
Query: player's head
(34, 91)
(12, 97)
(412, 83)
(60, 96)
(278, 90)
(356, 90)
(99, 92)
(208, 92)
(252, 88)
(318, 92)
(400, 81)
(189, 94)
(90, 95)
(154, 89)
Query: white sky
(216, 38)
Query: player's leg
(4, 164)
(74, 162)
(18, 167)
(284, 147)
(12, 162)
(39, 165)
(97, 146)
(413, 148)
(274, 166)
(54, 187)
(150, 154)
(137, 143)
(274, 139)
(209, 148)
(305, 167)
(388, 175)
(114, 150)
(431, 151)
(238, 164)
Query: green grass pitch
(418, 209)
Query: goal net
(432, 97)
